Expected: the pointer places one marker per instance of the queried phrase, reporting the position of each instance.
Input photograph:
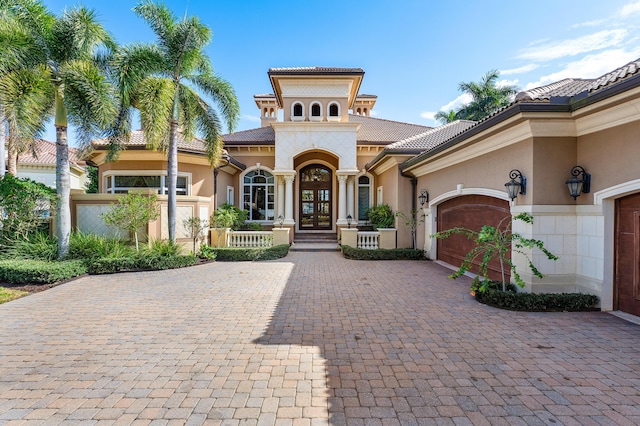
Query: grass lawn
(7, 294)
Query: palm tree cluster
(69, 67)
(486, 99)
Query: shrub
(91, 246)
(39, 272)
(38, 247)
(25, 205)
(165, 248)
(538, 302)
(381, 216)
(229, 216)
(234, 254)
(382, 254)
(206, 252)
(139, 262)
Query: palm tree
(61, 51)
(445, 117)
(21, 83)
(487, 98)
(167, 98)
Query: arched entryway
(473, 212)
(315, 195)
(627, 255)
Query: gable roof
(44, 154)
(372, 131)
(315, 70)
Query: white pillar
(350, 199)
(342, 198)
(280, 195)
(288, 215)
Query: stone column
(280, 195)
(288, 206)
(342, 198)
(350, 199)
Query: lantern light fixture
(423, 197)
(349, 220)
(515, 187)
(579, 183)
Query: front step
(315, 242)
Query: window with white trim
(258, 195)
(122, 184)
(231, 198)
(334, 110)
(297, 111)
(364, 197)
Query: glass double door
(315, 198)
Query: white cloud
(251, 118)
(520, 70)
(461, 100)
(594, 23)
(503, 83)
(429, 115)
(588, 43)
(630, 9)
(591, 66)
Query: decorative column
(342, 199)
(350, 198)
(288, 206)
(280, 195)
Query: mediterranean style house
(320, 160)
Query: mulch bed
(31, 288)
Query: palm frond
(76, 35)
(158, 17)
(89, 98)
(222, 94)
(154, 100)
(131, 64)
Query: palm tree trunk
(12, 161)
(63, 181)
(172, 177)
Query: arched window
(258, 195)
(364, 197)
(333, 110)
(358, 111)
(297, 110)
(315, 110)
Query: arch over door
(315, 198)
(627, 255)
(473, 212)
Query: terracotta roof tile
(137, 140)
(45, 154)
(315, 70)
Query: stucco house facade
(319, 157)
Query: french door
(315, 198)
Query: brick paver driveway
(309, 339)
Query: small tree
(195, 228)
(24, 205)
(497, 242)
(222, 219)
(134, 211)
(412, 222)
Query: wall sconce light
(578, 185)
(349, 219)
(515, 187)
(423, 197)
(281, 220)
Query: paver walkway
(310, 339)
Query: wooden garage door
(627, 254)
(473, 212)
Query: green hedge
(39, 272)
(142, 263)
(538, 302)
(233, 254)
(382, 254)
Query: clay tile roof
(315, 70)
(571, 87)
(432, 138)
(45, 154)
(259, 136)
(379, 131)
(136, 140)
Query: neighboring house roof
(564, 95)
(44, 154)
(195, 146)
(374, 131)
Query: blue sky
(414, 53)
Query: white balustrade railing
(249, 239)
(368, 240)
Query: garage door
(627, 254)
(473, 212)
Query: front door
(315, 198)
(627, 254)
